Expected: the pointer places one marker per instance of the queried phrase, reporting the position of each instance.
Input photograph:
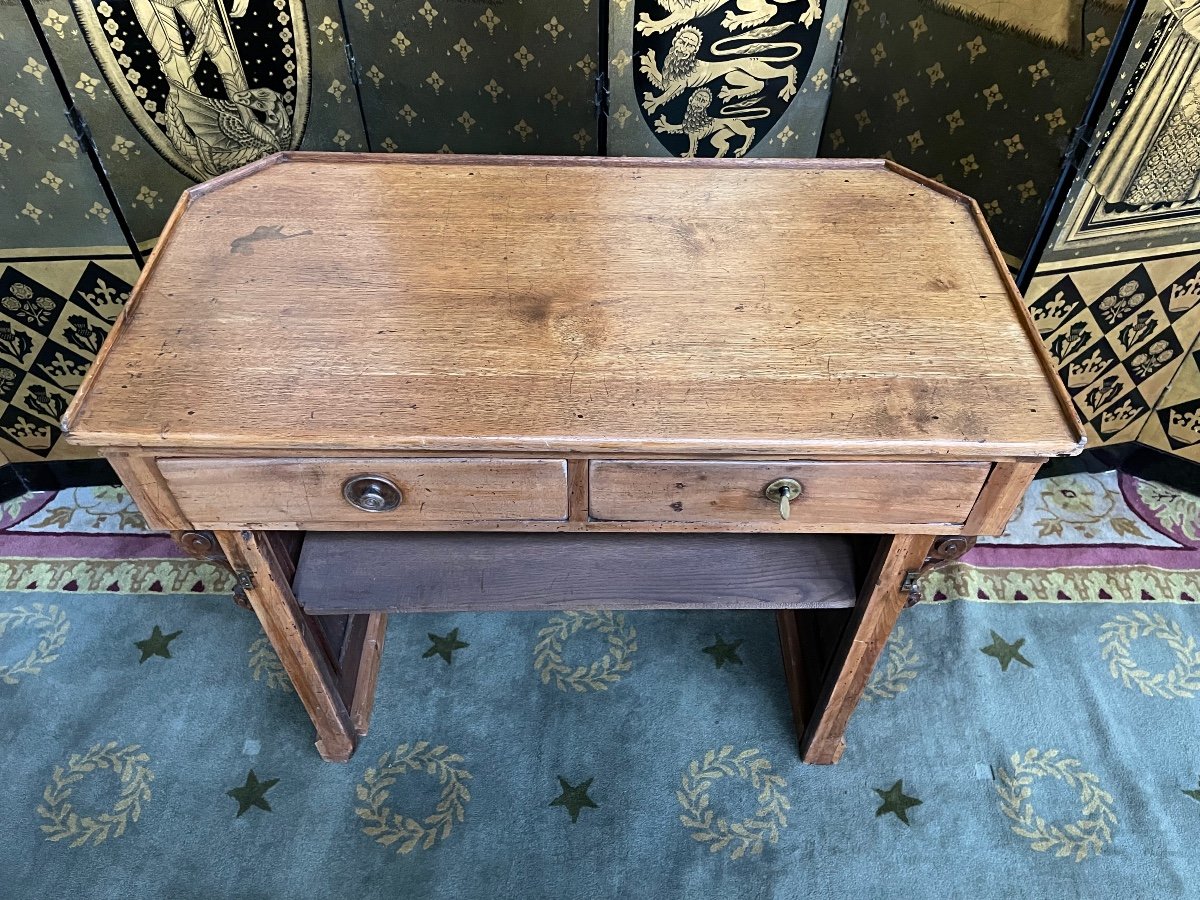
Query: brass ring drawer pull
(783, 491)
(372, 493)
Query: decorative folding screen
(65, 266)
(1116, 294)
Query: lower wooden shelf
(354, 572)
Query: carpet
(1030, 732)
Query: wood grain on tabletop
(802, 306)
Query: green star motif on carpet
(252, 793)
(1195, 795)
(1005, 652)
(156, 644)
(722, 652)
(574, 798)
(896, 801)
(444, 646)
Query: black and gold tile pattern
(54, 315)
(1174, 425)
(1118, 334)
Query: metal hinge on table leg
(944, 550)
(243, 581)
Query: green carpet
(1031, 732)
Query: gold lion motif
(745, 77)
(697, 124)
(753, 12)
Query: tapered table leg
(879, 603)
(299, 647)
(360, 667)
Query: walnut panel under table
(322, 569)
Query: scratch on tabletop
(244, 245)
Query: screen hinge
(78, 125)
(600, 97)
(352, 63)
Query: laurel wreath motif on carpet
(750, 834)
(65, 823)
(265, 665)
(51, 621)
(899, 668)
(608, 669)
(1116, 637)
(1085, 836)
(392, 829)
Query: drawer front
(327, 494)
(851, 496)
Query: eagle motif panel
(198, 103)
(178, 91)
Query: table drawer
(368, 492)
(851, 496)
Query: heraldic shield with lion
(212, 84)
(714, 76)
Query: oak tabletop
(342, 302)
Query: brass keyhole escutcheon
(783, 491)
(372, 493)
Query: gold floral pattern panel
(1116, 293)
(65, 266)
(178, 92)
(478, 76)
(981, 96)
(52, 198)
(711, 78)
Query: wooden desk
(609, 359)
